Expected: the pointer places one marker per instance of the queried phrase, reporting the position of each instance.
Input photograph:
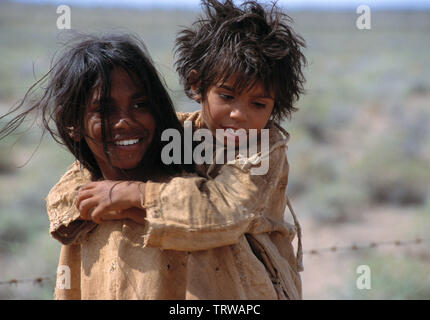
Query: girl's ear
(195, 86)
(75, 134)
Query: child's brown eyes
(259, 105)
(142, 106)
(98, 110)
(139, 105)
(226, 96)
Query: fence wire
(333, 249)
(35, 281)
(370, 245)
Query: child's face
(129, 130)
(224, 108)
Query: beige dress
(217, 235)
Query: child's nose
(122, 123)
(238, 112)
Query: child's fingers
(83, 195)
(96, 215)
(88, 186)
(85, 206)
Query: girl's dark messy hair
(249, 42)
(85, 64)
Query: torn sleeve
(65, 224)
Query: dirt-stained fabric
(217, 235)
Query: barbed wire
(369, 245)
(333, 249)
(34, 281)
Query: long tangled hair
(86, 63)
(248, 41)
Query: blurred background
(359, 151)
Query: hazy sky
(298, 4)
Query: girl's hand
(108, 198)
(135, 214)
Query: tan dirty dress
(217, 235)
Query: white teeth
(238, 132)
(126, 142)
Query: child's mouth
(131, 140)
(128, 142)
(233, 136)
(129, 145)
(235, 133)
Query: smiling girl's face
(129, 128)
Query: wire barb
(35, 281)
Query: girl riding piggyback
(243, 65)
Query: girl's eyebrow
(138, 95)
(263, 96)
(135, 96)
(223, 86)
(259, 96)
